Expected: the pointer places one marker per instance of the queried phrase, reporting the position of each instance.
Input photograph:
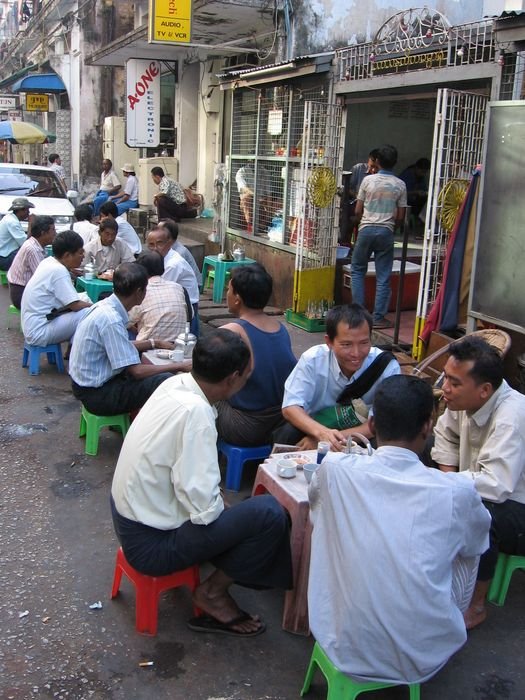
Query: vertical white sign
(142, 103)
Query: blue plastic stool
(341, 686)
(506, 566)
(235, 459)
(32, 356)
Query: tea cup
(286, 468)
(308, 470)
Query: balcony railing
(460, 45)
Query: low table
(292, 494)
(94, 288)
(221, 267)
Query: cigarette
(146, 663)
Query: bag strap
(367, 380)
(189, 307)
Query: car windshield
(24, 182)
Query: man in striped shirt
(105, 368)
(29, 257)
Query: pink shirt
(26, 261)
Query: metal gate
(322, 145)
(457, 149)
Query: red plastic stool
(149, 588)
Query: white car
(42, 187)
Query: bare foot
(474, 616)
(223, 608)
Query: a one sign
(170, 21)
(142, 103)
(8, 102)
(37, 103)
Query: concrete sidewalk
(57, 557)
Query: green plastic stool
(506, 566)
(211, 276)
(12, 311)
(3, 278)
(91, 425)
(341, 686)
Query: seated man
(105, 368)
(128, 198)
(318, 393)
(163, 312)
(51, 307)
(176, 269)
(125, 231)
(83, 224)
(12, 235)
(107, 251)
(481, 435)
(29, 256)
(252, 414)
(395, 547)
(173, 229)
(171, 199)
(167, 506)
(109, 184)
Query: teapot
(353, 448)
(238, 253)
(90, 271)
(186, 341)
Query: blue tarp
(40, 82)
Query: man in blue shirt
(12, 235)
(381, 203)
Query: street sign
(37, 103)
(142, 103)
(8, 102)
(170, 21)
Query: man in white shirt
(127, 198)
(481, 436)
(167, 505)
(12, 234)
(51, 306)
(56, 165)
(107, 251)
(318, 393)
(125, 232)
(173, 229)
(109, 184)
(83, 224)
(176, 269)
(395, 547)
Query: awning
(6, 82)
(40, 82)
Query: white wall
(187, 122)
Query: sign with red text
(142, 103)
(170, 21)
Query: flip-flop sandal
(206, 623)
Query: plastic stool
(506, 566)
(3, 278)
(236, 457)
(211, 276)
(341, 686)
(12, 311)
(149, 588)
(32, 354)
(91, 425)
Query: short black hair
(253, 284)
(40, 225)
(153, 261)
(108, 223)
(52, 157)
(423, 164)
(128, 277)
(84, 212)
(353, 315)
(402, 405)
(218, 354)
(157, 171)
(374, 153)
(488, 362)
(108, 160)
(66, 242)
(387, 156)
(171, 227)
(109, 208)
